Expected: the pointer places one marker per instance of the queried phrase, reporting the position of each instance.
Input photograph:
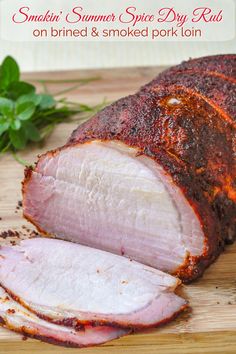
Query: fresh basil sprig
(27, 116)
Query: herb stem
(6, 148)
(66, 81)
(69, 89)
(20, 160)
(45, 89)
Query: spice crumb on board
(9, 233)
(34, 233)
(18, 206)
(28, 232)
(18, 234)
(11, 311)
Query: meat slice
(16, 318)
(152, 176)
(68, 283)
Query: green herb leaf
(6, 106)
(17, 89)
(25, 110)
(31, 97)
(3, 126)
(15, 124)
(18, 138)
(47, 101)
(9, 72)
(31, 131)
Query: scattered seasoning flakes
(0, 218)
(18, 206)
(24, 338)
(9, 233)
(34, 234)
(29, 233)
(71, 322)
(11, 311)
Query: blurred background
(42, 56)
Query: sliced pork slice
(62, 281)
(152, 176)
(15, 317)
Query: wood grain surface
(210, 326)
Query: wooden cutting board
(211, 325)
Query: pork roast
(152, 176)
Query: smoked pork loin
(152, 176)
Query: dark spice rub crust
(217, 91)
(217, 65)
